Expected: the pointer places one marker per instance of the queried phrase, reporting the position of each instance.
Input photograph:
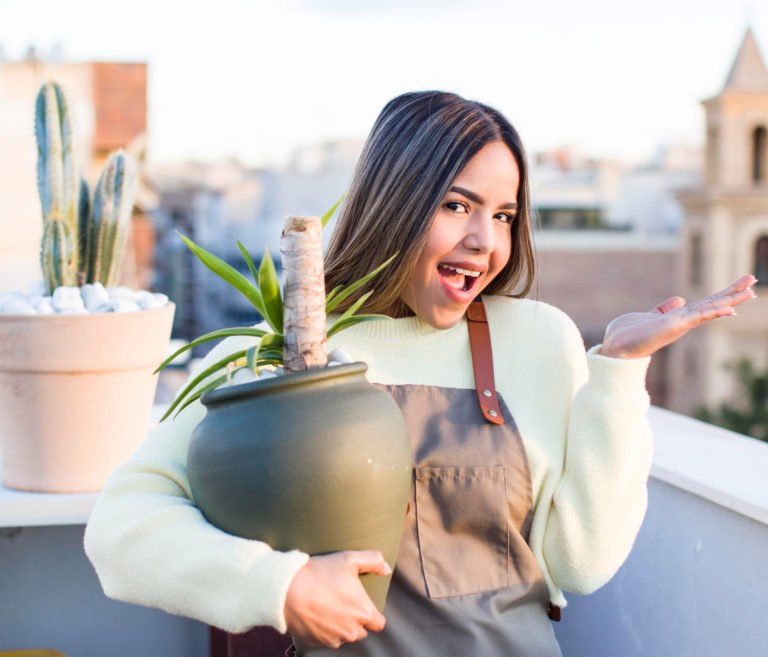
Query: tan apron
(466, 582)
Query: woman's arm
(600, 500)
(150, 545)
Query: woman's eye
(506, 217)
(456, 206)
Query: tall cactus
(81, 243)
(110, 218)
(58, 186)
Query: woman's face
(470, 239)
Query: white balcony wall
(695, 582)
(693, 586)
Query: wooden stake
(301, 246)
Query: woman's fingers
(326, 604)
(673, 303)
(721, 303)
(369, 561)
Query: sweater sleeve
(150, 545)
(600, 500)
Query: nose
(480, 235)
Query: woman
(503, 517)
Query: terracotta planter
(76, 395)
(318, 461)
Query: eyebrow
(478, 199)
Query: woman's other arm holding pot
(151, 545)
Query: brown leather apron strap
(482, 362)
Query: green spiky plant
(82, 242)
(265, 296)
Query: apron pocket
(461, 515)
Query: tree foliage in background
(749, 413)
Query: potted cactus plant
(308, 456)
(76, 360)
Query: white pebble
(339, 356)
(104, 308)
(124, 306)
(266, 374)
(73, 311)
(123, 293)
(18, 307)
(6, 297)
(148, 300)
(44, 306)
(37, 289)
(67, 298)
(243, 375)
(334, 363)
(94, 295)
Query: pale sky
(253, 79)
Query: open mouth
(458, 278)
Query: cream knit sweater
(582, 420)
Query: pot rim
(294, 379)
(8, 318)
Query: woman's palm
(639, 334)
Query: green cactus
(58, 253)
(110, 218)
(81, 243)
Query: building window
(761, 260)
(759, 155)
(696, 260)
(565, 218)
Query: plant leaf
(270, 292)
(215, 335)
(327, 216)
(248, 261)
(210, 386)
(340, 325)
(349, 312)
(353, 287)
(201, 377)
(229, 274)
(331, 295)
(270, 347)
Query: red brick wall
(120, 104)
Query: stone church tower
(725, 235)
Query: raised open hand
(635, 335)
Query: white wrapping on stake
(301, 246)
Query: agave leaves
(263, 292)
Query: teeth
(465, 272)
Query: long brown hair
(419, 144)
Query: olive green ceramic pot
(317, 461)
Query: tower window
(759, 155)
(761, 260)
(696, 260)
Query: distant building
(607, 239)
(109, 105)
(725, 234)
